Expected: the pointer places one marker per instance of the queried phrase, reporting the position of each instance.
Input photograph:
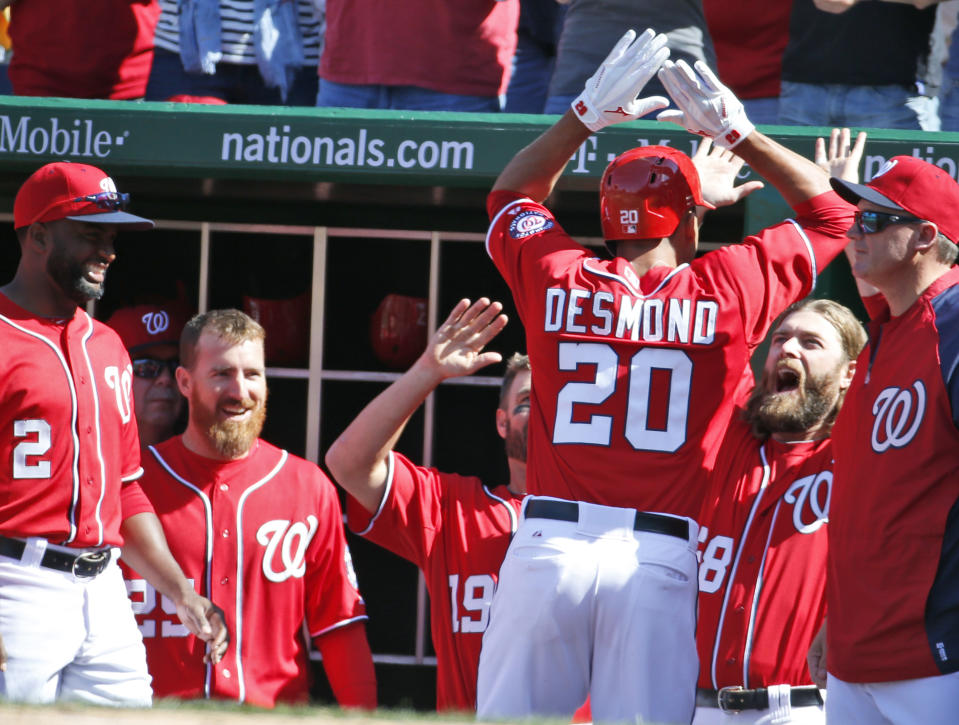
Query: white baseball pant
(69, 638)
(593, 606)
(923, 701)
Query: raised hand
(717, 169)
(706, 106)
(611, 93)
(842, 159)
(456, 348)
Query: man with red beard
(259, 530)
(762, 576)
(454, 528)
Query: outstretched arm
(708, 108)
(842, 161)
(357, 459)
(145, 550)
(610, 96)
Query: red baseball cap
(905, 183)
(64, 190)
(153, 324)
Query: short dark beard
(70, 278)
(769, 412)
(234, 439)
(516, 443)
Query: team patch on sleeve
(529, 222)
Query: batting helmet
(646, 191)
(398, 330)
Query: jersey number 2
(597, 430)
(22, 467)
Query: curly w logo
(899, 412)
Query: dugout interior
(322, 213)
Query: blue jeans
(405, 98)
(949, 105)
(836, 105)
(529, 81)
(762, 110)
(558, 104)
(232, 83)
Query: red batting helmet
(646, 191)
(398, 330)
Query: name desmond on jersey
(580, 311)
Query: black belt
(85, 565)
(544, 508)
(736, 699)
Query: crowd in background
(881, 64)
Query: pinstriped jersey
(893, 575)
(456, 530)
(634, 379)
(69, 436)
(262, 537)
(763, 548)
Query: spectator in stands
(73, 49)
(243, 51)
(831, 75)
(946, 21)
(750, 37)
(429, 55)
(592, 27)
(540, 24)
(151, 334)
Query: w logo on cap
(106, 184)
(888, 166)
(156, 322)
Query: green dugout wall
(328, 211)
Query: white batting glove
(706, 106)
(611, 92)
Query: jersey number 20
(597, 430)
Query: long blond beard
(234, 439)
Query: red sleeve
(498, 199)
(133, 500)
(349, 665)
(332, 594)
(410, 515)
(780, 265)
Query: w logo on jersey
(898, 414)
(807, 494)
(121, 382)
(291, 541)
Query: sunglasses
(870, 222)
(108, 200)
(151, 368)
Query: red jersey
(634, 379)
(893, 587)
(762, 576)
(751, 69)
(469, 49)
(263, 538)
(101, 49)
(456, 530)
(69, 437)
